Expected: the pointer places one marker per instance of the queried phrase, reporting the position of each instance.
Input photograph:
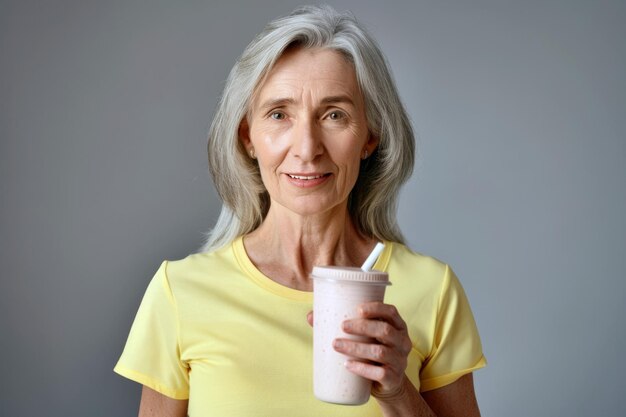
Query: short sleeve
(457, 349)
(151, 356)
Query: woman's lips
(305, 180)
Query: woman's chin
(310, 206)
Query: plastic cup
(337, 294)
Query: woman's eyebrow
(283, 101)
(338, 99)
(276, 102)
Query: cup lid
(343, 273)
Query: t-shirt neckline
(274, 287)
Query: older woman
(308, 149)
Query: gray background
(520, 111)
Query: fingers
(383, 323)
(381, 311)
(384, 358)
(380, 330)
(309, 318)
(385, 376)
(378, 353)
(385, 366)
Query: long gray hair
(373, 200)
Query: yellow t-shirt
(213, 329)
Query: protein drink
(337, 294)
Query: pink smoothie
(337, 294)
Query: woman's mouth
(306, 177)
(307, 180)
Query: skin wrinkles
(309, 117)
(276, 103)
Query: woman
(308, 149)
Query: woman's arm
(456, 399)
(453, 400)
(385, 360)
(155, 404)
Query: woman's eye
(336, 115)
(277, 115)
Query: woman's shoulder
(404, 256)
(196, 265)
(407, 266)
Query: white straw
(371, 260)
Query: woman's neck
(286, 246)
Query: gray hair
(373, 201)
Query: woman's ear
(244, 138)
(372, 143)
(244, 134)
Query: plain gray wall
(520, 109)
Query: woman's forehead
(315, 71)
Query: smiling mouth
(307, 177)
(310, 181)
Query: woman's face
(309, 131)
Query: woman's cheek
(271, 141)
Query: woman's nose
(306, 141)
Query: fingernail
(338, 344)
(347, 325)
